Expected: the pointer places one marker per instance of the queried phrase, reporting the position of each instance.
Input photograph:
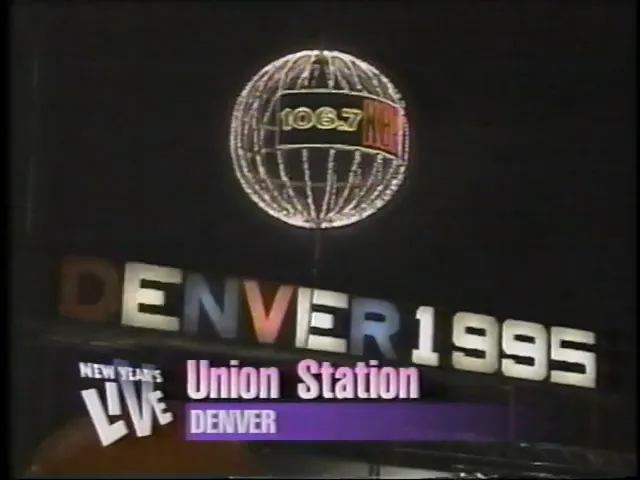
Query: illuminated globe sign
(320, 139)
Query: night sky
(520, 196)
(520, 199)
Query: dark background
(521, 197)
(520, 200)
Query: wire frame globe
(320, 139)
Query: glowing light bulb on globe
(320, 139)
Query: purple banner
(393, 421)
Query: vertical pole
(594, 421)
(34, 134)
(315, 268)
(374, 470)
(512, 414)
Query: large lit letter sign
(320, 139)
